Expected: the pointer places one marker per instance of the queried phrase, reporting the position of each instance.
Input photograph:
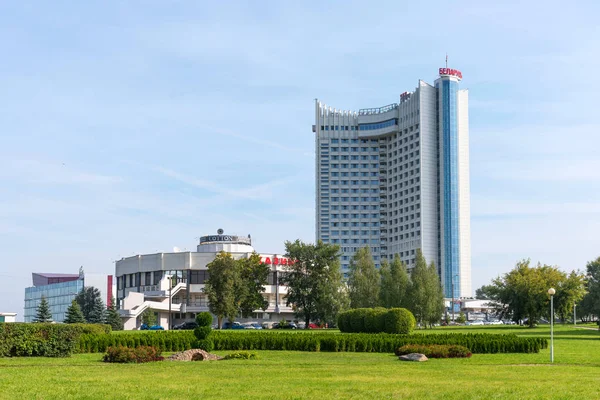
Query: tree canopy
(363, 280)
(522, 294)
(426, 299)
(590, 304)
(314, 280)
(220, 287)
(112, 316)
(91, 304)
(395, 284)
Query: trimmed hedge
(44, 339)
(138, 355)
(317, 341)
(435, 350)
(377, 320)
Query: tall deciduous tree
(43, 313)
(419, 289)
(590, 304)
(91, 304)
(74, 314)
(522, 294)
(252, 276)
(425, 296)
(112, 316)
(435, 298)
(314, 280)
(483, 293)
(220, 287)
(395, 284)
(363, 280)
(570, 290)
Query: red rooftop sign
(451, 72)
(276, 261)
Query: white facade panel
(464, 194)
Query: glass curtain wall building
(396, 178)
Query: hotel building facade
(396, 179)
(171, 285)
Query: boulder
(413, 357)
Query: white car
(496, 323)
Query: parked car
(313, 326)
(289, 325)
(475, 323)
(145, 327)
(186, 326)
(234, 325)
(256, 325)
(496, 322)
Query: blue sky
(136, 127)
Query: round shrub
(204, 319)
(206, 345)
(374, 320)
(202, 332)
(399, 320)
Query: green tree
(435, 296)
(523, 292)
(43, 313)
(570, 290)
(91, 304)
(590, 304)
(418, 294)
(220, 287)
(74, 314)
(363, 280)
(149, 317)
(483, 293)
(425, 295)
(314, 280)
(395, 284)
(252, 276)
(461, 319)
(112, 316)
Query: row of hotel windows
(352, 141)
(363, 199)
(343, 157)
(352, 149)
(354, 233)
(196, 277)
(343, 174)
(373, 207)
(344, 166)
(350, 241)
(325, 183)
(353, 224)
(334, 216)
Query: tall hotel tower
(396, 178)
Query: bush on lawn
(44, 339)
(435, 350)
(377, 320)
(241, 355)
(203, 331)
(138, 355)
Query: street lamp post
(575, 314)
(551, 292)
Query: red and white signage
(276, 261)
(450, 72)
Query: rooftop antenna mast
(446, 60)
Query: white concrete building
(8, 317)
(396, 178)
(143, 282)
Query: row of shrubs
(435, 350)
(377, 320)
(322, 341)
(45, 339)
(142, 354)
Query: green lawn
(288, 375)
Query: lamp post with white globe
(551, 292)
